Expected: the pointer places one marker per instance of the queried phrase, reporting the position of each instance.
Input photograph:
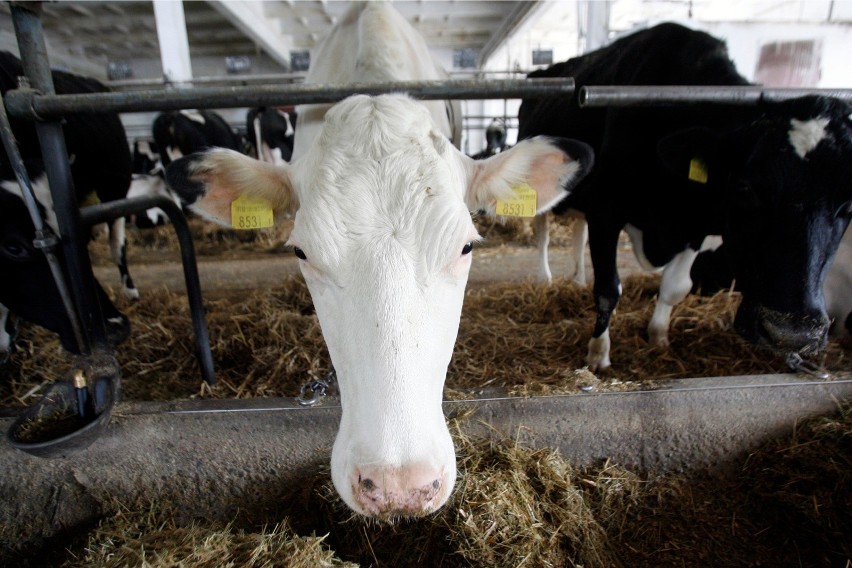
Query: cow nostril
(367, 485)
(436, 484)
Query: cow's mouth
(782, 332)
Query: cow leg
(542, 233)
(118, 249)
(579, 237)
(603, 242)
(5, 335)
(675, 284)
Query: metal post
(28, 29)
(104, 212)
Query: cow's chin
(781, 332)
(389, 493)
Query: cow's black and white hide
(271, 132)
(772, 181)
(149, 180)
(100, 167)
(180, 133)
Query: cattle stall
(185, 452)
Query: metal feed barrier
(38, 101)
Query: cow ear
(551, 167)
(209, 182)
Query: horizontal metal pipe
(22, 103)
(644, 96)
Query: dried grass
(525, 338)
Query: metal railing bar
(27, 103)
(596, 96)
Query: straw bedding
(527, 338)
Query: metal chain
(312, 392)
(799, 365)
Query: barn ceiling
(84, 35)
(102, 31)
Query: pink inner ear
(217, 201)
(546, 171)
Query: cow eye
(299, 253)
(15, 250)
(467, 248)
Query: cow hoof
(598, 355)
(131, 293)
(657, 339)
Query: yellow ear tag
(697, 170)
(248, 213)
(523, 204)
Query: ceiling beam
(511, 24)
(249, 17)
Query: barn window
(465, 58)
(542, 57)
(789, 64)
(237, 64)
(118, 70)
(300, 60)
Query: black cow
(100, 167)
(771, 181)
(271, 132)
(184, 132)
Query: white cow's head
(383, 229)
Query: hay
(153, 538)
(525, 338)
(515, 506)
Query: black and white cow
(771, 181)
(712, 272)
(495, 140)
(149, 180)
(183, 132)
(100, 166)
(271, 132)
(384, 236)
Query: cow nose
(407, 491)
(807, 335)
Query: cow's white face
(385, 234)
(383, 231)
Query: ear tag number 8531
(248, 213)
(522, 204)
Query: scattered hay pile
(515, 506)
(527, 338)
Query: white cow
(382, 204)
